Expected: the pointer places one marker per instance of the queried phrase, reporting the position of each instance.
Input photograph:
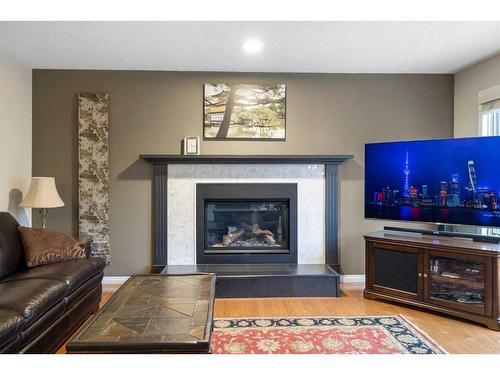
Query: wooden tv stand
(448, 275)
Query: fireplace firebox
(246, 223)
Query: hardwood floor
(455, 335)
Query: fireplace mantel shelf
(246, 159)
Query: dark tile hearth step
(268, 280)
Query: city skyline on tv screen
(455, 181)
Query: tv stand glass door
(458, 281)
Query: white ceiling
(322, 47)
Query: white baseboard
(116, 280)
(352, 278)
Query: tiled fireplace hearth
(249, 212)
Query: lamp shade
(42, 194)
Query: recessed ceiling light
(252, 46)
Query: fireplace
(246, 223)
(242, 226)
(176, 234)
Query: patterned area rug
(321, 335)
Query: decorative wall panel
(93, 171)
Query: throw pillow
(42, 246)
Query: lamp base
(43, 217)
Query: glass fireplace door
(258, 226)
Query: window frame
(496, 126)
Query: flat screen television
(447, 181)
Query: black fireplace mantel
(246, 159)
(160, 202)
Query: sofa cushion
(11, 324)
(72, 272)
(36, 328)
(32, 297)
(10, 245)
(77, 294)
(42, 246)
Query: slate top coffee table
(152, 314)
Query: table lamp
(43, 195)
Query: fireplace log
(248, 231)
(269, 240)
(229, 238)
(262, 232)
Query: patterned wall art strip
(93, 171)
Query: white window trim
(487, 95)
(497, 125)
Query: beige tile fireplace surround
(182, 180)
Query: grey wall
(152, 111)
(468, 83)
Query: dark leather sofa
(42, 306)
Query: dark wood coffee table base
(153, 314)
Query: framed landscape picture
(244, 112)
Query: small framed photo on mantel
(191, 146)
